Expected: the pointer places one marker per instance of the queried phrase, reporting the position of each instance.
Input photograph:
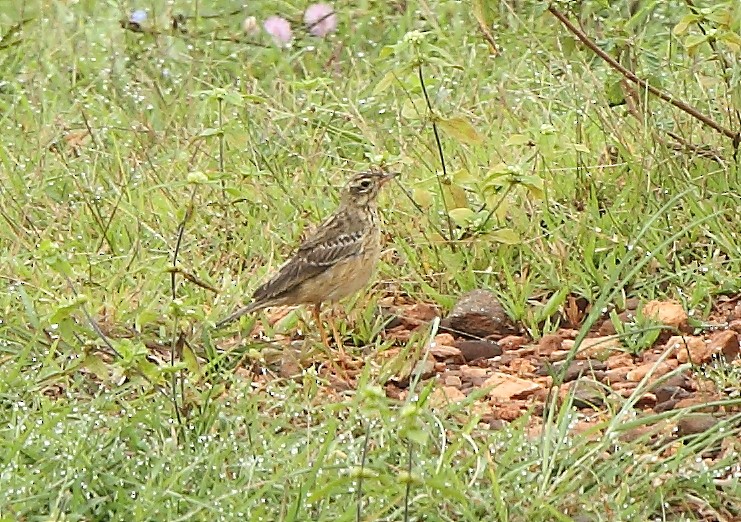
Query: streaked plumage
(337, 260)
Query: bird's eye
(365, 184)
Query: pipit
(336, 261)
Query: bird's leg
(336, 335)
(318, 320)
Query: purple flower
(320, 19)
(138, 17)
(279, 29)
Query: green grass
(125, 154)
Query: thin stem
(408, 491)
(359, 507)
(692, 111)
(221, 152)
(726, 66)
(440, 151)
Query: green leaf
(191, 361)
(464, 178)
(28, 306)
(684, 24)
(454, 196)
(386, 51)
(732, 40)
(721, 17)
(385, 82)
(693, 41)
(534, 184)
(205, 133)
(506, 236)
(498, 170)
(482, 12)
(312, 84)
(254, 98)
(416, 435)
(197, 177)
(462, 216)
(413, 108)
(95, 365)
(422, 197)
(460, 129)
(517, 140)
(614, 93)
(233, 98)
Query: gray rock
(473, 350)
(478, 314)
(696, 423)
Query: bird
(335, 261)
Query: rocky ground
(478, 350)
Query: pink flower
(279, 29)
(320, 19)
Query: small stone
(522, 367)
(587, 428)
(420, 313)
(663, 406)
(425, 368)
(479, 314)
(472, 350)
(639, 432)
(607, 328)
(512, 342)
(440, 350)
(575, 370)
(669, 313)
(290, 366)
(735, 325)
(471, 372)
(453, 380)
(549, 344)
(724, 343)
(647, 400)
(497, 424)
(699, 399)
(505, 386)
(626, 385)
(445, 339)
(409, 316)
(447, 394)
(665, 393)
(588, 393)
(567, 333)
(639, 372)
(649, 356)
(559, 355)
(681, 380)
(508, 412)
(594, 347)
(617, 375)
(695, 423)
(619, 360)
(688, 349)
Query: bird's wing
(336, 239)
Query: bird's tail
(239, 313)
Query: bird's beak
(388, 177)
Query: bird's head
(363, 188)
